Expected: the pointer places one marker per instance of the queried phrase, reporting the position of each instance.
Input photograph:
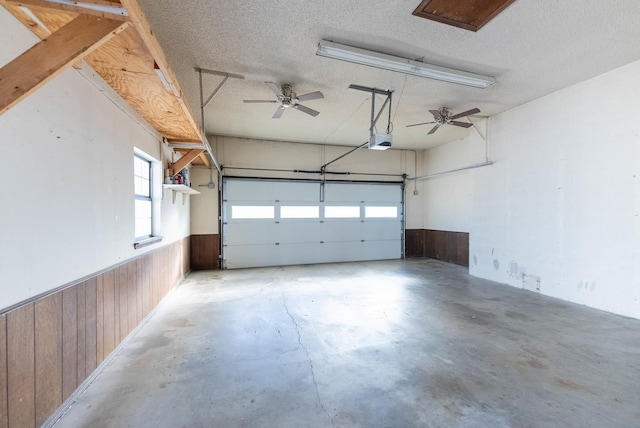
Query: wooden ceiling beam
(143, 28)
(74, 8)
(185, 160)
(26, 20)
(205, 159)
(51, 56)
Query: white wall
(562, 201)
(448, 198)
(67, 200)
(247, 153)
(204, 207)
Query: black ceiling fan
(288, 98)
(443, 116)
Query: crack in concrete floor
(313, 374)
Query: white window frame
(155, 171)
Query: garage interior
(319, 214)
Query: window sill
(146, 242)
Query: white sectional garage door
(279, 222)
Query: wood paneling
(131, 296)
(69, 341)
(451, 247)
(123, 317)
(4, 421)
(468, 14)
(462, 256)
(21, 374)
(50, 346)
(146, 281)
(205, 252)
(414, 243)
(100, 319)
(139, 292)
(82, 331)
(48, 353)
(91, 337)
(116, 305)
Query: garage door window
(381, 212)
(292, 211)
(252, 212)
(341, 212)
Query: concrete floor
(414, 343)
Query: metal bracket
(204, 104)
(226, 76)
(387, 101)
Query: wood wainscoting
(451, 247)
(51, 344)
(205, 252)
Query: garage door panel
(380, 230)
(247, 233)
(243, 256)
(381, 250)
(352, 192)
(342, 251)
(258, 190)
(342, 231)
(299, 232)
(302, 253)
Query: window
(299, 211)
(252, 211)
(341, 212)
(381, 212)
(143, 201)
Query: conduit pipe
(477, 165)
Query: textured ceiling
(533, 48)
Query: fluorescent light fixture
(402, 65)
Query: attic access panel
(468, 14)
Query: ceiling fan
(288, 98)
(443, 116)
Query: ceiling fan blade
(436, 114)
(461, 124)
(310, 96)
(434, 129)
(260, 101)
(278, 113)
(275, 88)
(307, 110)
(466, 113)
(419, 124)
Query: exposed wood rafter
(51, 56)
(185, 160)
(73, 32)
(75, 7)
(143, 28)
(205, 159)
(39, 25)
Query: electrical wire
(346, 120)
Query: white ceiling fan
(288, 98)
(443, 116)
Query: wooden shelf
(180, 188)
